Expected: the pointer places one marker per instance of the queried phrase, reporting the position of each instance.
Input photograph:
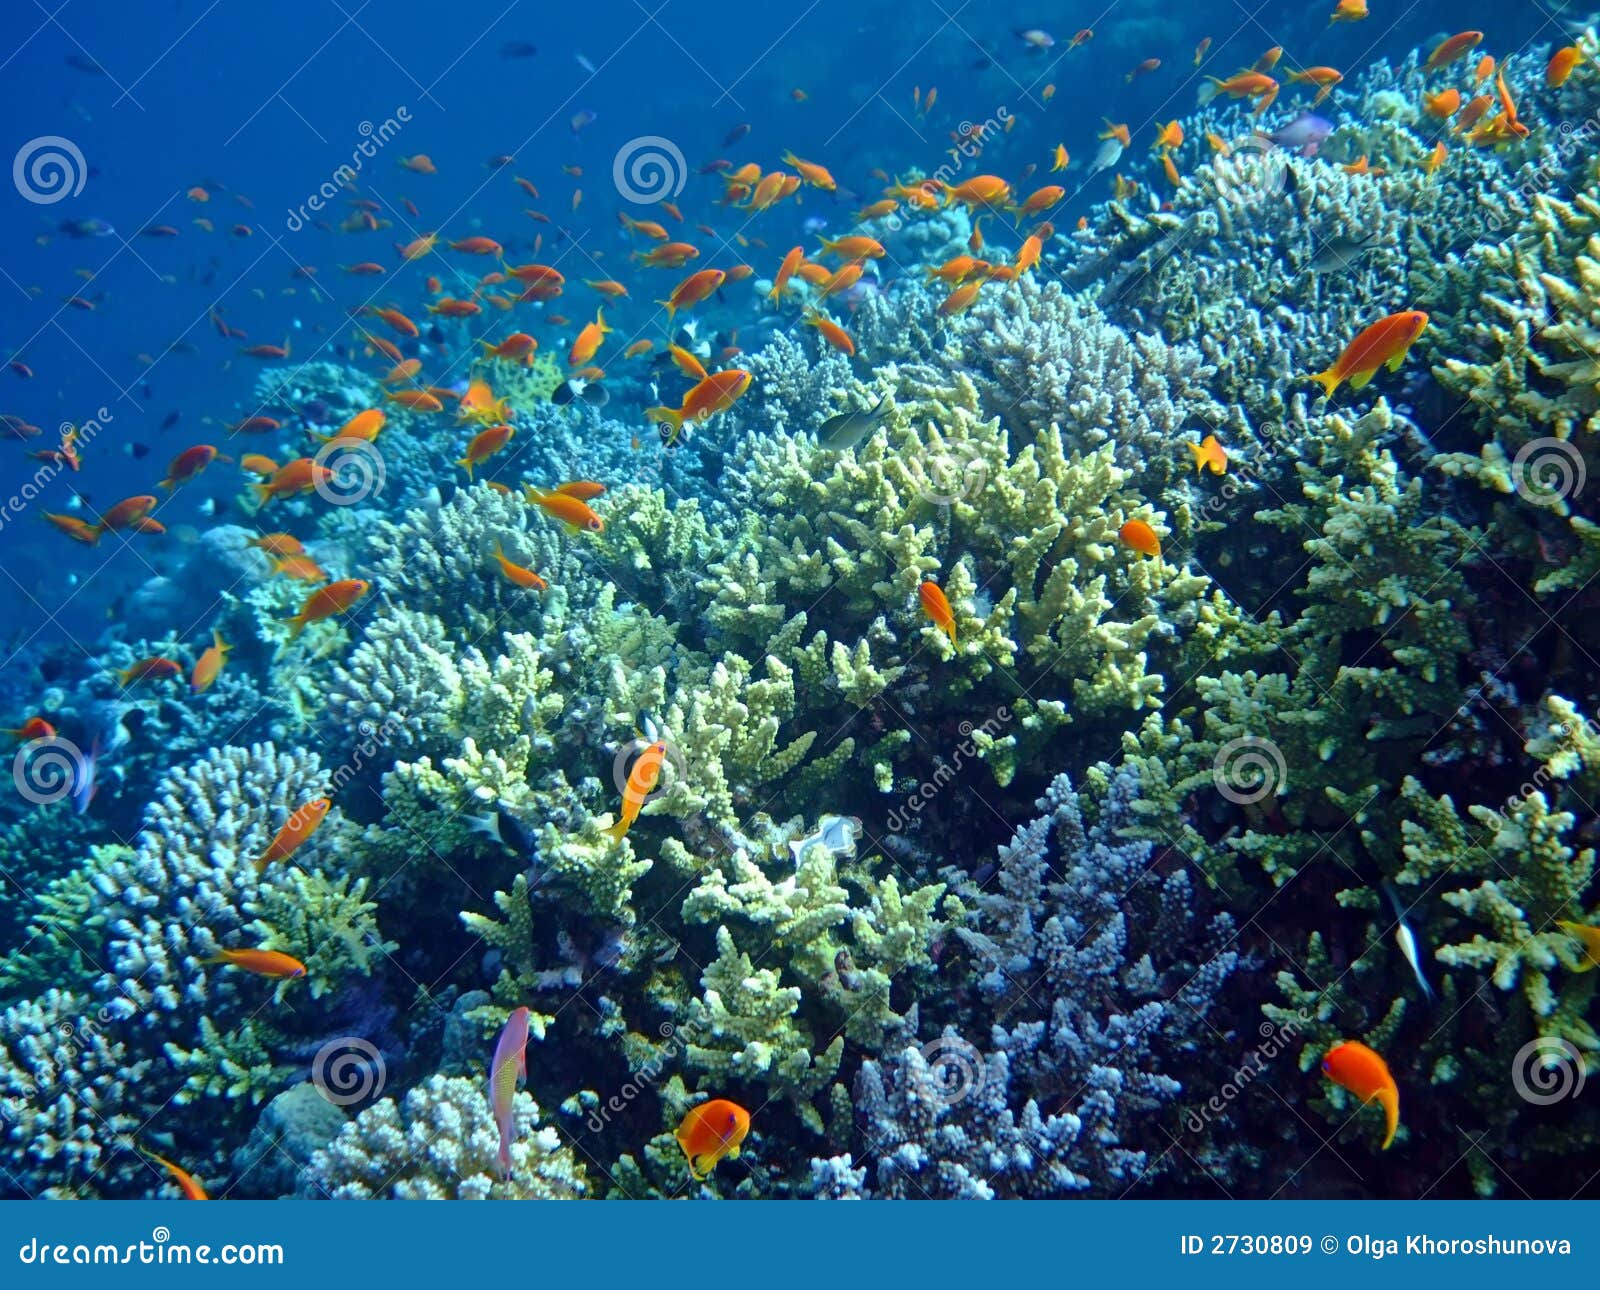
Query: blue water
(267, 103)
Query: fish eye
(594, 526)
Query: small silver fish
(1406, 939)
(850, 429)
(1110, 153)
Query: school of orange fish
(716, 1129)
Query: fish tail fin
(263, 493)
(1199, 456)
(600, 322)
(217, 643)
(1208, 90)
(1328, 380)
(665, 416)
(1389, 1099)
(297, 624)
(466, 464)
(168, 484)
(617, 831)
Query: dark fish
(138, 451)
(850, 429)
(738, 132)
(90, 227)
(84, 63)
(518, 49)
(1341, 253)
(501, 826)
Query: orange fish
(1475, 110)
(1043, 199)
(638, 347)
(687, 363)
(1348, 11)
(187, 464)
(643, 776)
(834, 334)
(692, 290)
(815, 175)
(32, 728)
(1448, 51)
(187, 1183)
(1386, 342)
(209, 665)
(574, 512)
(1444, 105)
(301, 568)
(587, 344)
(606, 287)
(268, 963)
(1143, 69)
(710, 1132)
(1354, 1066)
(1561, 66)
(959, 300)
(327, 602)
(1436, 158)
(1209, 455)
(1324, 78)
(516, 574)
(1140, 537)
(364, 426)
(398, 322)
(583, 489)
(980, 190)
(518, 347)
(855, 247)
(300, 825)
(477, 246)
(1246, 85)
(479, 404)
(256, 425)
(421, 164)
(1169, 136)
(149, 669)
(1118, 132)
(484, 445)
(840, 281)
(784, 272)
(937, 607)
(277, 544)
(716, 393)
(127, 513)
(669, 255)
(300, 476)
(1484, 70)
